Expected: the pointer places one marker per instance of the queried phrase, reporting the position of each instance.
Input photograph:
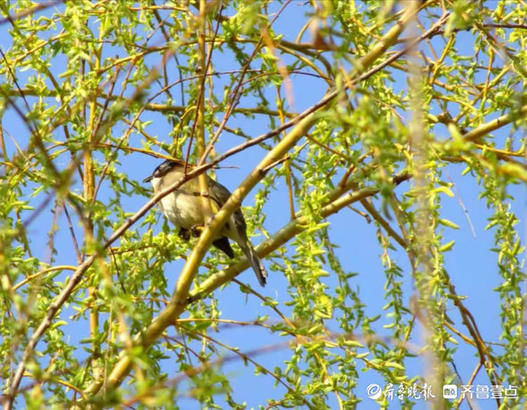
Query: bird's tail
(259, 270)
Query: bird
(187, 210)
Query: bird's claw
(184, 234)
(196, 231)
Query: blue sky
(470, 264)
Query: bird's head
(164, 168)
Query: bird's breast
(183, 209)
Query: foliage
(103, 303)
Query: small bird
(186, 209)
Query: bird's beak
(148, 179)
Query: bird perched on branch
(190, 209)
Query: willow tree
(354, 128)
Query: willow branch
(490, 126)
(281, 237)
(303, 122)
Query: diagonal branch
(290, 230)
(179, 298)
